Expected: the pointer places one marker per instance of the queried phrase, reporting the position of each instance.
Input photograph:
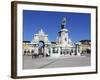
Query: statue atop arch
(63, 23)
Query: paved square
(55, 62)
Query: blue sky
(78, 24)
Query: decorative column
(73, 51)
(78, 49)
(51, 51)
(59, 50)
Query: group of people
(42, 51)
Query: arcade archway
(41, 48)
